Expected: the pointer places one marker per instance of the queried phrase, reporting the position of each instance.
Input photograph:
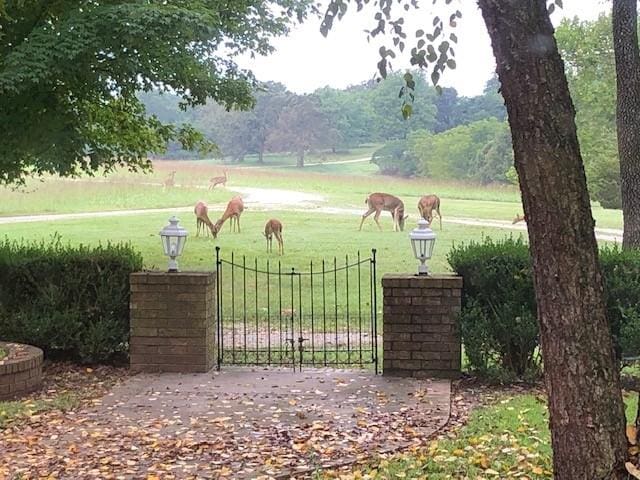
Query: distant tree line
(328, 119)
(448, 136)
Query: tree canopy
(69, 74)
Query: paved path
(238, 423)
(313, 164)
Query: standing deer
(378, 202)
(235, 207)
(519, 218)
(427, 205)
(170, 181)
(218, 180)
(274, 228)
(202, 219)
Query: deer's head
(401, 218)
(215, 228)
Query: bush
(498, 321)
(394, 158)
(73, 302)
(621, 270)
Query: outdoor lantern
(173, 239)
(422, 240)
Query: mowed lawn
(308, 237)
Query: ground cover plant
(3, 353)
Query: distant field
(343, 185)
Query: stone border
(20, 370)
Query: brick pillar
(420, 333)
(173, 321)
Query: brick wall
(420, 334)
(21, 371)
(172, 321)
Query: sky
(305, 60)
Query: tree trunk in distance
(625, 45)
(300, 161)
(585, 402)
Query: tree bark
(300, 161)
(261, 155)
(625, 45)
(585, 402)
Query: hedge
(498, 322)
(71, 301)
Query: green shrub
(621, 270)
(71, 301)
(394, 158)
(498, 320)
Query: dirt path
(261, 199)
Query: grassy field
(134, 191)
(307, 236)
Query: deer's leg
(280, 243)
(376, 217)
(439, 217)
(238, 223)
(365, 215)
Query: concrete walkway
(238, 423)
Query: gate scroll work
(324, 316)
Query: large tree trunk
(625, 44)
(585, 401)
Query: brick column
(420, 333)
(173, 321)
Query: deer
(213, 181)
(378, 202)
(519, 218)
(202, 219)
(427, 205)
(234, 209)
(271, 229)
(170, 181)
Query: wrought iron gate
(270, 315)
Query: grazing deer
(427, 205)
(274, 228)
(170, 181)
(235, 207)
(202, 219)
(218, 180)
(519, 218)
(378, 202)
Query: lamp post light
(422, 240)
(173, 239)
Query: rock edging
(20, 370)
